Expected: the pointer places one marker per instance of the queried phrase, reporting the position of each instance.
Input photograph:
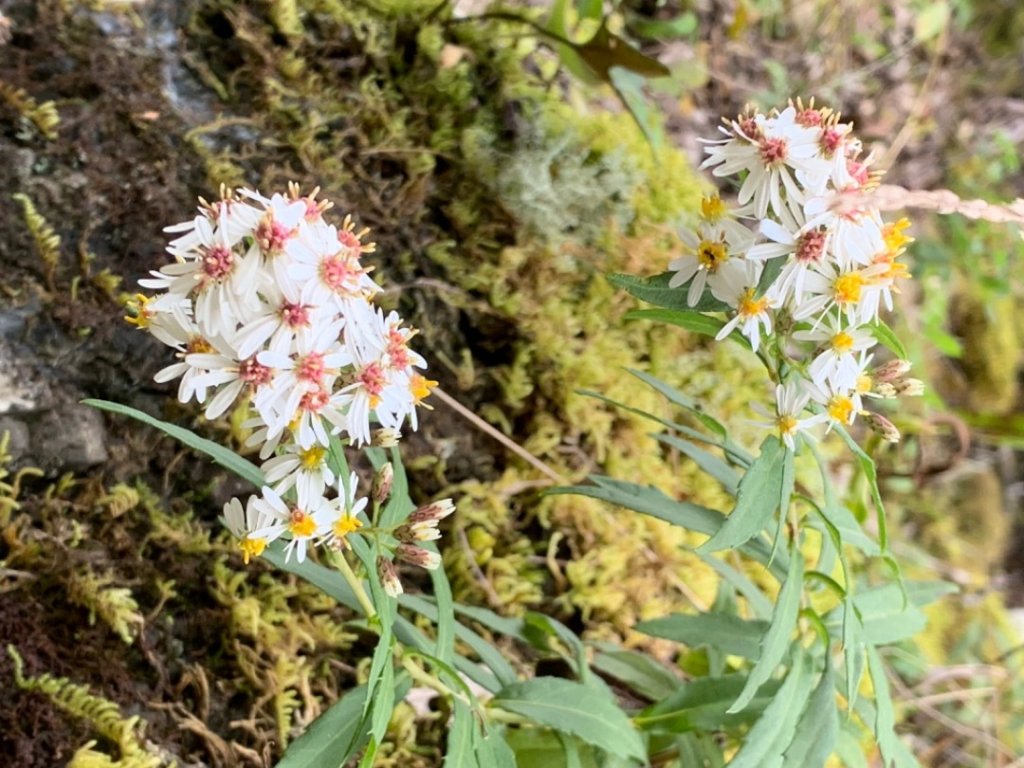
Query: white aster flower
(304, 468)
(837, 361)
(243, 523)
(304, 521)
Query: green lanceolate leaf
(885, 336)
(696, 322)
(649, 500)
(767, 740)
(493, 751)
(574, 709)
(885, 617)
(722, 631)
(637, 670)
(776, 640)
(460, 752)
(703, 704)
(818, 729)
(332, 738)
(655, 290)
(224, 456)
(786, 484)
(867, 466)
(853, 649)
(759, 493)
(758, 601)
(708, 462)
(894, 752)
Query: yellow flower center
(842, 342)
(864, 384)
(420, 387)
(251, 548)
(712, 254)
(301, 524)
(345, 525)
(197, 345)
(751, 307)
(840, 407)
(138, 314)
(894, 237)
(787, 424)
(712, 208)
(311, 458)
(846, 288)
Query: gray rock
(68, 438)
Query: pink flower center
(272, 234)
(217, 262)
(830, 141)
(311, 367)
(809, 118)
(774, 151)
(810, 246)
(295, 315)
(750, 129)
(315, 401)
(398, 352)
(312, 210)
(859, 171)
(338, 272)
(373, 379)
(253, 372)
(348, 238)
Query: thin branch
(487, 429)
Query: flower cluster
(807, 273)
(267, 300)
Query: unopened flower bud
(382, 483)
(386, 437)
(417, 532)
(389, 577)
(882, 427)
(418, 556)
(891, 371)
(910, 387)
(431, 513)
(885, 389)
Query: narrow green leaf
(383, 703)
(574, 709)
(708, 462)
(885, 617)
(759, 493)
(787, 482)
(629, 86)
(655, 290)
(224, 456)
(758, 601)
(651, 501)
(683, 401)
(867, 466)
(853, 650)
(696, 322)
(768, 739)
(703, 704)
(770, 273)
(493, 751)
(460, 751)
(885, 336)
(818, 729)
(332, 738)
(572, 751)
(777, 639)
(731, 634)
(637, 670)
(889, 744)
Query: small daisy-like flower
(790, 402)
(753, 312)
(840, 405)
(243, 523)
(303, 468)
(837, 362)
(710, 257)
(304, 521)
(854, 292)
(348, 507)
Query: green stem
(420, 675)
(357, 585)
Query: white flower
(243, 523)
(790, 401)
(840, 403)
(852, 291)
(837, 362)
(711, 257)
(753, 313)
(347, 508)
(305, 520)
(306, 469)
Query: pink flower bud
(418, 556)
(389, 577)
(382, 483)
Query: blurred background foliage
(507, 156)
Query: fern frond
(46, 239)
(102, 714)
(114, 605)
(43, 116)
